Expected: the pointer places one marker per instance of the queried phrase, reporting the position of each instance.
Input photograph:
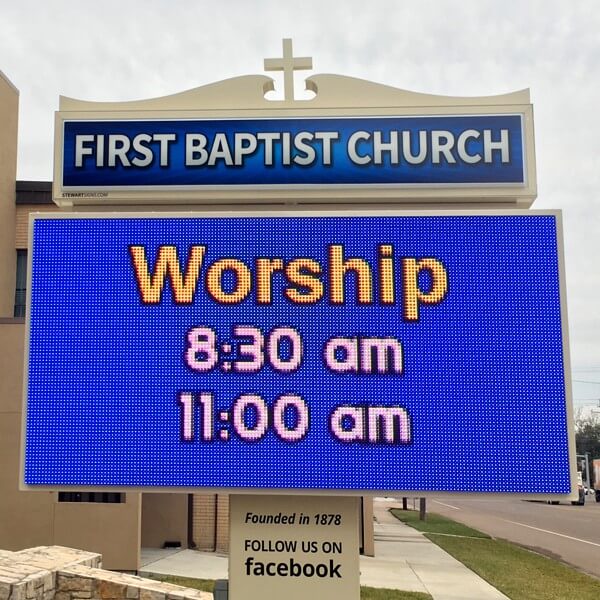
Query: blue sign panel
(418, 353)
(420, 150)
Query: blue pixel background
(483, 378)
(341, 171)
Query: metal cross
(288, 64)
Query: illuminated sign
(416, 353)
(483, 150)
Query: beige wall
(164, 518)
(36, 518)
(9, 111)
(26, 519)
(367, 533)
(112, 530)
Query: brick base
(58, 573)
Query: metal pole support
(422, 509)
(221, 590)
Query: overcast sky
(129, 49)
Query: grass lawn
(366, 593)
(518, 573)
(206, 585)
(369, 593)
(436, 524)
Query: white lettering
(489, 146)
(268, 139)
(379, 147)
(140, 148)
(309, 152)
(118, 147)
(99, 150)
(164, 139)
(245, 144)
(195, 150)
(381, 355)
(463, 139)
(220, 151)
(81, 150)
(352, 143)
(327, 137)
(286, 148)
(409, 157)
(442, 142)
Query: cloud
(118, 50)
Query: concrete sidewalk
(404, 560)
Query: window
(21, 287)
(102, 497)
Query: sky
(132, 49)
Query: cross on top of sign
(288, 64)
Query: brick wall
(211, 522)
(222, 523)
(203, 519)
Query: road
(568, 533)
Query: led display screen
(383, 353)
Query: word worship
(301, 281)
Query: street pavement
(404, 559)
(565, 532)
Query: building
(116, 525)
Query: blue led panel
(411, 150)
(391, 353)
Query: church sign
(228, 144)
(239, 300)
(386, 151)
(277, 312)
